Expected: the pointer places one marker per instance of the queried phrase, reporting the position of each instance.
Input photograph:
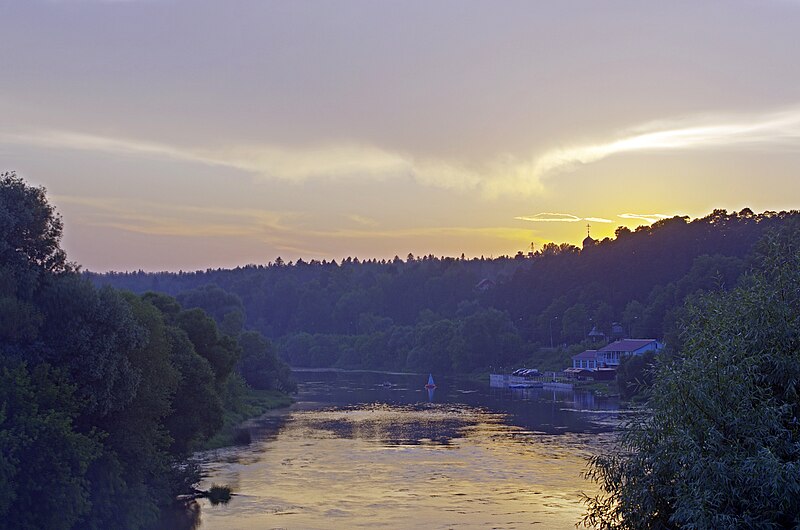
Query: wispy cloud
(335, 161)
(361, 220)
(284, 230)
(153, 218)
(268, 161)
(775, 130)
(549, 217)
(505, 175)
(647, 217)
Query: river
(367, 449)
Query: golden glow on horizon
(293, 232)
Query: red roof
(584, 355)
(628, 345)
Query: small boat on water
(430, 384)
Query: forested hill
(429, 313)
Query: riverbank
(254, 404)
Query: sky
(188, 134)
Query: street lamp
(551, 331)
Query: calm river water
(366, 449)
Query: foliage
(103, 393)
(30, 230)
(721, 448)
(219, 494)
(635, 374)
(260, 365)
(221, 351)
(43, 460)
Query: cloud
(335, 161)
(647, 217)
(548, 217)
(361, 220)
(284, 230)
(773, 130)
(153, 218)
(504, 175)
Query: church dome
(588, 242)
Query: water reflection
(394, 424)
(357, 452)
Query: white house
(610, 355)
(586, 360)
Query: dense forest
(104, 394)
(454, 314)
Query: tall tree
(30, 229)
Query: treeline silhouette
(103, 394)
(440, 313)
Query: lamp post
(551, 331)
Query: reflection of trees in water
(394, 425)
(181, 516)
(266, 428)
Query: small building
(588, 242)
(596, 335)
(586, 360)
(608, 357)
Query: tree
(30, 229)
(635, 374)
(102, 393)
(721, 448)
(130, 480)
(633, 318)
(43, 461)
(197, 408)
(89, 333)
(259, 365)
(224, 307)
(575, 323)
(221, 351)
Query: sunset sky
(186, 134)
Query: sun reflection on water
(401, 466)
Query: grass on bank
(250, 404)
